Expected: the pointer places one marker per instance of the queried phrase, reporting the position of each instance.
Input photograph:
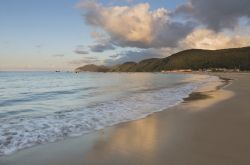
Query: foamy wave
(22, 132)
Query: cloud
(102, 42)
(114, 56)
(216, 14)
(58, 55)
(201, 24)
(101, 47)
(84, 61)
(129, 1)
(97, 35)
(208, 39)
(126, 56)
(81, 50)
(198, 39)
(135, 26)
(136, 56)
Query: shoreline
(201, 94)
(212, 81)
(106, 139)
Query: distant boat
(58, 71)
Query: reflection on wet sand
(134, 139)
(152, 140)
(214, 97)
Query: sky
(65, 34)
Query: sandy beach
(209, 128)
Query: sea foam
(24, 131)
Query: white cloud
(135, 26)
(208, 39)
(158, 33)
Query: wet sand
(209, 128)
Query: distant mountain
(92, 68)
(195, 59)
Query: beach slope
(212, 130)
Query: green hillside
(195, 59)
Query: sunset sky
(65, 34)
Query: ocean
(43, 107)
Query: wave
(21, 132)
(30, 97)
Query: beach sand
(209, 128)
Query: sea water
(43, 107)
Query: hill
(195, 59)
(92, 68)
